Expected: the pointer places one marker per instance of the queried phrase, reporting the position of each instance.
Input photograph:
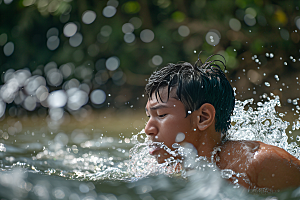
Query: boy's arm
(274, 168)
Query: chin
(160, 158)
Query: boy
(194, 103)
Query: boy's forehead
(155, 103)
(162, 100)
(164, 94)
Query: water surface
(37, 163)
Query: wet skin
(265, 166)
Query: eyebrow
(156, 107)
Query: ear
(205, 116)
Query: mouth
(153, 147)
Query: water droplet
(227, 173)
(112, 63)
(76, 40)
(235, 24)
(213, 37)
(295, 102)
(180, 137)
(98, 96)
(147, 35)
(88, 17)
(176, 145)
(184, 31)
(109, 11)
(84, 188)
(285, 63)
(271, 55)
(127, 28)
(9, 48)
(157, 60)
(70, 29)
(129, 37)
(57, 99)
(267, 84)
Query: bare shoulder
(237, 156)
(273, 167)
(266, 166)
(234, 154)
(269, 151)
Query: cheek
(172, 127)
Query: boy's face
(167, 120)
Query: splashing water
(263, 124)
(199, 175)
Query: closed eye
(161, 116)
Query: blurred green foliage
(180, 31)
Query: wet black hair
(197, 84)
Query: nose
(151, 128)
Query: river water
(39, 164)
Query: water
(38, 164)
(263, 124)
